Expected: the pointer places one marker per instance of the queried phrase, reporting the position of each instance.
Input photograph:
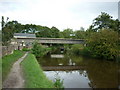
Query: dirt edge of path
(15, 78)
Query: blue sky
(59, 13)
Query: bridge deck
(52, 40)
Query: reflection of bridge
(52, 40)
(59, 68)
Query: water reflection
(95, 74)
(71, 79)
(57, 56)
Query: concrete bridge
(50, 40)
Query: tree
(44, 32)
(38, 50)
(2, 23)
(15, 26)
(6, 32)
(104, 44)
(29, 28)
(66, 33)
(55, 32)
(104, 21)
(80, 34)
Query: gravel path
(15, 79)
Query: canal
(79, 71)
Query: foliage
(58, 82)
(26, 49)
(67, 32)
(55, 32)
(29, 28)
(6, 33)
(105, 21)
(38, 50)
(44, 32)
(80, 34)
(103, 44)
(76, 49)
(7, 62)
(33, 74)
(8, 29)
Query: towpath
(15, 78)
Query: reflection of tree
(83, 72)
(78, 60)
(102, 74)
(48, 61)
(68, 71)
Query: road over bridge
(51, 40)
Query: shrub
(103, 44)
(58, 82)
(76, 49)
(26, 49)
(38, 50)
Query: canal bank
(33, 74)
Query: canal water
(80, 72)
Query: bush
(85, 52)
(103, 44)
(58, 82)
(76, 49)
(38, 50)
(26, 49)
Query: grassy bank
(7, 62)
(33, 74)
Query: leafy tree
(44, 32)
(38, 50)
(2, 23)
(80, 34)
(103, 44)
(15, 26)
(6, 32)
(55, 32)
(66, 33)
(104, 21)
(29, 28)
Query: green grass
(8, 60)
(33, 74)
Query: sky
(59, 13)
